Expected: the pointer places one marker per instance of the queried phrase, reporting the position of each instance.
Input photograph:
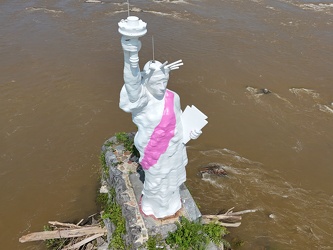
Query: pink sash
(163, 133)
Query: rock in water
(214, 168)
(265, 91)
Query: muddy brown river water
(60, 77)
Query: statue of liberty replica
(157, 113)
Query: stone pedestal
(123, 177)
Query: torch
(132, 28)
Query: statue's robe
(162, 152)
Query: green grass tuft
(194, 235)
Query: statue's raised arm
(131, 95)
(132, 75)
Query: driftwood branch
(228, 219)
(79, 222)
(70, 225)
(225, 224)
(83, 242)
(73, 236)
(243, 212)
(224, 218)
(65, 233)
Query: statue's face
(157, 85)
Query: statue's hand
(130, 45)
(194, 134)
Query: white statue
(157, 113)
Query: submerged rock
(265, 91)
(213, 168)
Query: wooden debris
(93, 1)
(65, 233)
(243, 212)
(78, 222)
(228, 219)
(86, 234)
(56, 223)
(83, 242)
